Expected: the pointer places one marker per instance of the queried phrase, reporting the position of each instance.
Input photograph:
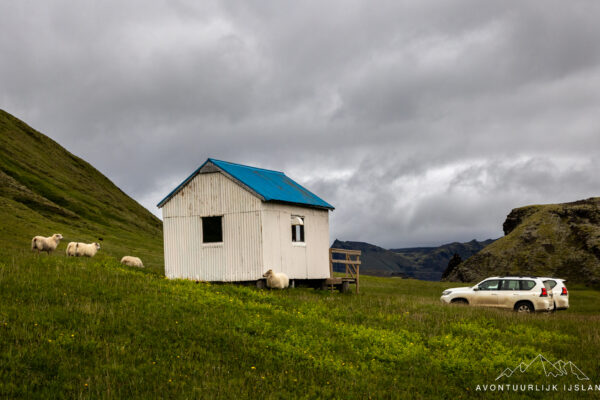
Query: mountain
(560, 240)
(44, 189)
(426, 263)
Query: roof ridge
(246, 166)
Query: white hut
(228, 222)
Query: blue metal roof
(267, 184)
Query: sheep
(47, 244)
(132, 261)
(276, 280)
(82, 249)
(71, 249)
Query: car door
(487, 293)
(510, 290)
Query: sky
(422, 122)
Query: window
(493, 284)
(297, 229)
(527, 285)
(510, 284)
(550, 283)
(212, 229)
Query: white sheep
(276, 280)
(71, 249)
(47, 244)
(82, 249)
(132, 261)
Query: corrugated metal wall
(239, 257)
(299, 261)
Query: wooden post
(357, 274)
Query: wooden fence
(351, 262)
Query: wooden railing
(351, 263)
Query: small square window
(297, 229)
(212, 229)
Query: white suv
(519, 293)
(560, 292)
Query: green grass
(88, 328)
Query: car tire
(524, 307)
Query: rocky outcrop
(561, 240)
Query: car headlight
(446, 292)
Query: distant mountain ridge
(425, 263)
(560, 240)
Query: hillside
(561, 240)
(44, 189)
(425, 263)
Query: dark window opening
(212, 229)
(298, 229)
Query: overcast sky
(422, 122)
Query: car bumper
(446, 299)
(562, 303)
(544, 305)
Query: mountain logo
(556, 369)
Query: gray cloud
(421, 122)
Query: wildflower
(253, 367)
(85, 385)
(153, 362)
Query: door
(509, 294)
(487, 295)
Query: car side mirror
(476, 288)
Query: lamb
(47, 244)
(82, 249)
(276, 280)
(132, 261)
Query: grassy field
(91, 328)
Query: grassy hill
(561, 240)
(427, 263)
(44, 189)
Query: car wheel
(524, 307)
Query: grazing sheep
(132, 261)
(47, 244)
(71, 249)
(276, 280)
(82, 249)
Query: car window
(493, 284)
(510, 284)
(527, 285)
(550, 283)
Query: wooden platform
(340, 283)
